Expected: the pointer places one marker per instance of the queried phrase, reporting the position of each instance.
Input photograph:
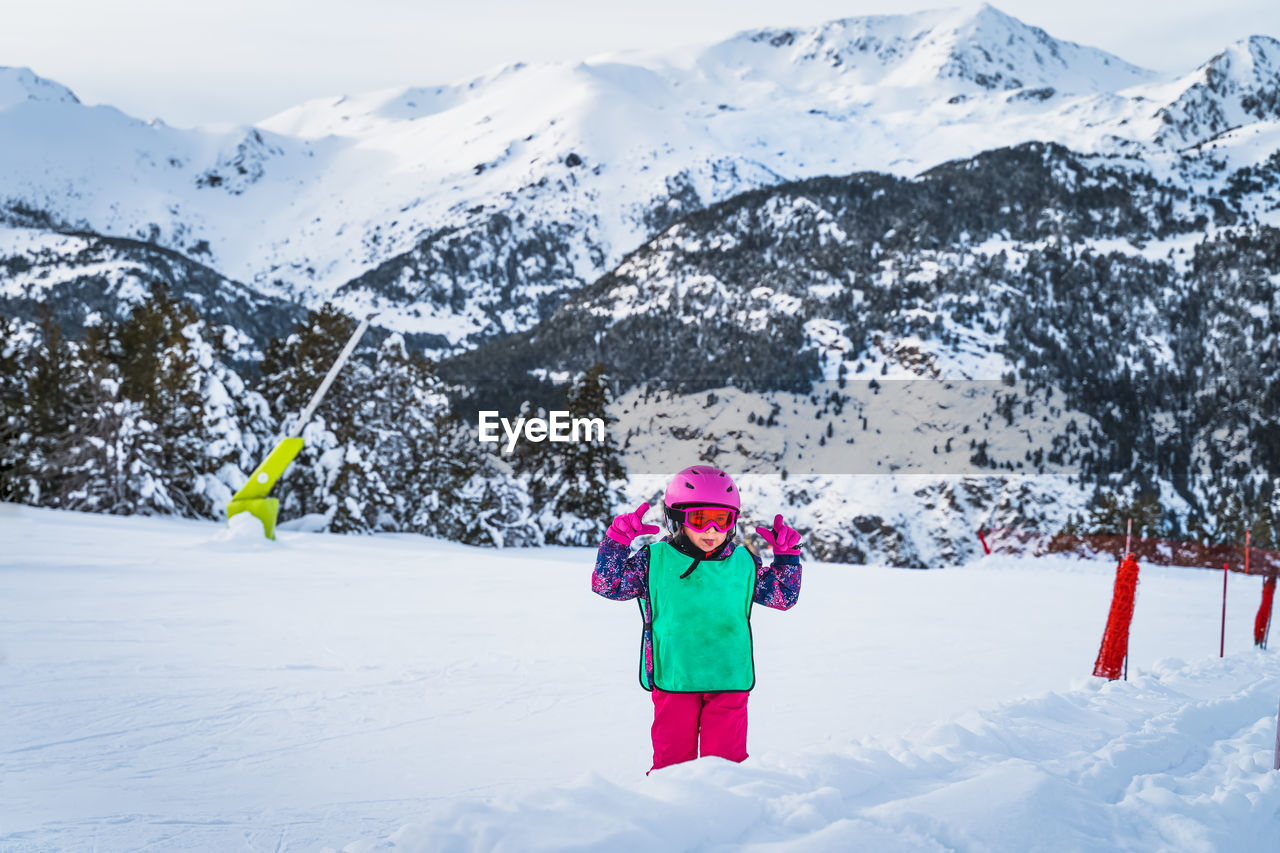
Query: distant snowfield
(174, 685)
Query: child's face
(707, 540)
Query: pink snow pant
(681, 719)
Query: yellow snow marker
(253, 496)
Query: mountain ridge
(332, 199)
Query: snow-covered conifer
(407, 428)
(111, 459)
(577, 485)
(14, 354)
(160, 370)
(486, 504)
(55, 381)
(236, 418)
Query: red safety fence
(1156, 552)
(1112, 654)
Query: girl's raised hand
(782, 539)
(629, 525)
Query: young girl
(695, 589)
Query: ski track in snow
(173, 685)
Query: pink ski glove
(628, 526)
(782, 539)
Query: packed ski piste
(171, 684)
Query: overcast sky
(199, 63)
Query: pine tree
(111, 458)
(159, 371)
(577, 484)
(1110, 514)
(1264, 528)
(55, 385)
(237, 419)
(119, 422)
(486, 503)
(1233, 516)
(360, 500)
(14, 356)
(408, 426)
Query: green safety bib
(700, 621)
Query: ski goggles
(700, 518)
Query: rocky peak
(1237, 86)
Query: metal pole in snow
(1128, 540)
(1267, 636)
(329, 377)
(1246, 551)
(1276, 764)
(1222, 639)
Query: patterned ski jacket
(620, 575)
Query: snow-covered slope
(79, 275)
(1237, 87)
(19, 85)
(1177, 759)
(471, 208)
(176, 685)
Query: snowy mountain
(1014, 331)
(19, 85)
(473, 209)
(949, 50)
(1237, 87)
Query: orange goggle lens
(703, 517)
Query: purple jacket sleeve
(778, 586)
(619, 574)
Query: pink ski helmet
(702, 485)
